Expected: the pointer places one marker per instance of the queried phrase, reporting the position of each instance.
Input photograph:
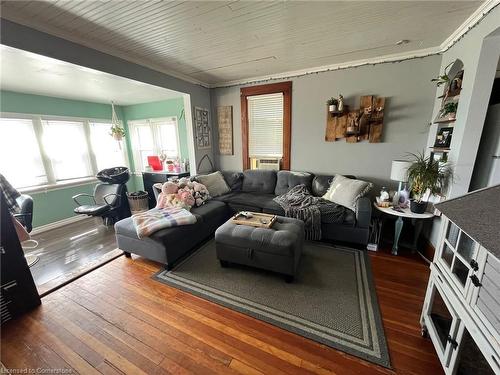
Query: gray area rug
(331, 301)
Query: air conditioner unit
(268, 163)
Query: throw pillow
(346, 191)
(215, 183)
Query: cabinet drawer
(155, 177)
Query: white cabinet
(461, 312)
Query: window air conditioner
(268, 163)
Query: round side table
(417, 219)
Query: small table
(417, 219)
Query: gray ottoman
(275, 249)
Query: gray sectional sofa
(251, 190)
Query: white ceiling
(30, 73)
(216, 42)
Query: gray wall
(25, 38)
(410, 100)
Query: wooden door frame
(286, 89)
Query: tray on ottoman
(258, 220)
(276, 249)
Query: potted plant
(443, 78)
(332, 105)
(449, 109)
(426, 174)
(117, 132)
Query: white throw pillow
(346, 191)
(215, 183)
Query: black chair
(25, 215)
(109, 202)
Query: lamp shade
(399, 170)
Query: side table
(417, 219)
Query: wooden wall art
(358, 125)
(225, 125)
(202, 126)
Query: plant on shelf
(450, 108)
(117, 132)
(426, 174)
(332, 104)
(443, 78)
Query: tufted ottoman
(275, 249)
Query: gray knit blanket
(299, 203)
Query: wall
(409, 104)
(479, 51)
(164, 108)
(28, 39)
(54, 205)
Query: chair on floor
(25, 218)
(108, 201)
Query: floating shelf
(440, 149)
(445, 120)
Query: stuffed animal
(169, 187)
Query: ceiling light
(402, 42)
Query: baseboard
(58, 224)
(426, 248)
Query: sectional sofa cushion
(346, 191)
(321, 184)
(259, 181)
(233, 179)
(287, 179)
(215, 183)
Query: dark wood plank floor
(117, 320)
(69, 249)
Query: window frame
(153, 124)
(52, 183)
(282, 87)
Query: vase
(417, 207)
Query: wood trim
(286, 89)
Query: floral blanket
(146, 223)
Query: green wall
(163, 108)
(57, 204)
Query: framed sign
(225, 125)
(202, 126)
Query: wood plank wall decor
(365, 123)
(225, 125)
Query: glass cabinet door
(441, 322)
(458, 256)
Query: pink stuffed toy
(169, 187)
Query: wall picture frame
(225, 126)
(443, 137)
(202, 127)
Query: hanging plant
(117, 132)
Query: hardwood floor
(69, 250)
(117, 320)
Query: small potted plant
(332, 105)
(426, 174)
(117, 132)
(443, 78)
(449, 110)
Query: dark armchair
(25, 215)
(108, 201)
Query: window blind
(265, 125)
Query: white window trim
(52, 184)
(134, 124)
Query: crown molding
(475, 18)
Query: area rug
(331, 301)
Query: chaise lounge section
(251, 190)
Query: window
(154, 137)
(66, 147)
(266, 122)
(265, 125)
(108, 153)
(44, 151)
(20, 161)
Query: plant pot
(117, 137)
(417, 207)
(332, 108)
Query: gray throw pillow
(346, 191)
(215, 183)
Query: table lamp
(399, 172)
